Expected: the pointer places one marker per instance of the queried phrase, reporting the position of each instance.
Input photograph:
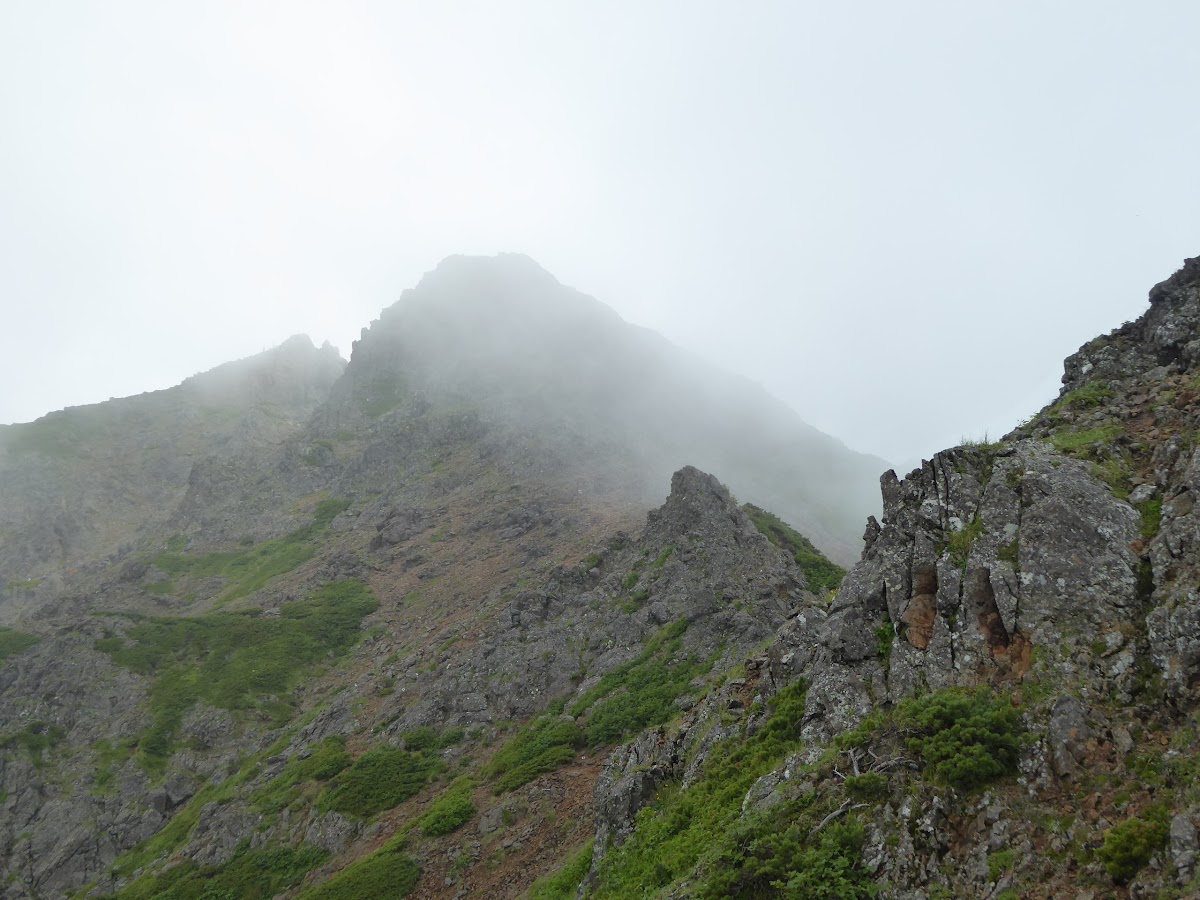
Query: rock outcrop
(1056, 571)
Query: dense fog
(897, 220)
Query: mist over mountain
(78, 483)
(612, 406)
(460, 618)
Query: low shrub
(641, 692)
(1151, 512)
(832, 870)
(885, 636)
(452, 810)
(328, 758)
(36, 739)
(564, 884)
(960, 542)
(378, 780)
(1128, 846)
(246, 571)
(249, 875)
(14, 642)
(966, 738)
(869, 786)
(999, 863)
(1074, 443)
(1087, 397)
(688, 825)
(541, 746)
(548, 761)
(387, 874)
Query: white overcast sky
(899, 217)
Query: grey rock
(1067, 734)
(1142, 493)
(1182, 845)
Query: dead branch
(837, 813)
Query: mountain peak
(503, 293)
(601, 398)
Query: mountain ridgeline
(421, 625)
(578, 395)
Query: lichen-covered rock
(983, 556)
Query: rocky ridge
(1053, 571)
(163, 676)
(79, 484)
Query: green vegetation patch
(236, 660)
(1128, 846)
(14, 642)
(36, 739)
(327, 759)
(111, 755)
(249, 875)
(633, 696)
(809, 845)
(822, 574)
(641, 692)
(247, 571)
(1151, 512)
(694, 828)
(452, 810)
(1087, 397)
(380, 779)
(387, 874)
(885, 635)
(173, 835)
(869, 786)
(541, 746)
(1115, 472)
(381, 396)
(960, 542)
(564, 884)
(1074, 442)
(664, 556)
(60, 435)
(784, 855)
(1000, 863)
(426, 738)
(965, 738)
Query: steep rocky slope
(999, 702)
(615, 409)
(257, 624)
(694, 590)
(78, 484)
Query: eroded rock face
(1174, 625)
(699, 559)
(57, 832)
(983, 556)
(1035, 563)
